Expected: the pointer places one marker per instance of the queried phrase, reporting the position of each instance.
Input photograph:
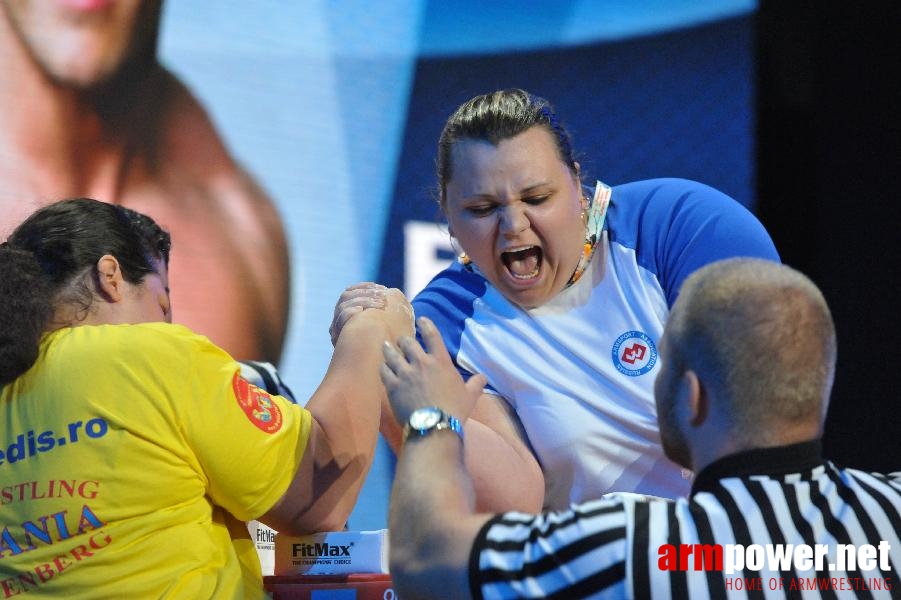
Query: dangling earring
(462, 257)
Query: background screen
(336, 107)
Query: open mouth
(523, 264)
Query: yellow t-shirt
(129, 455)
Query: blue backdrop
(336, 107)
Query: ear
(109, 278)
(698, 400)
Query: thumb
(475, 385)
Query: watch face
(425, 418)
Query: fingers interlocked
(353, 300)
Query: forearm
(345, 409)
(390, 428)
(505, 473)
(503, 478)
(432, 519)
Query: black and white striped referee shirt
(768, 523)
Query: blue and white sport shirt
(580, 369)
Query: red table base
(360, 586)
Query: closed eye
(480, 210)
(536, 200)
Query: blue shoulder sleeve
(677, 226)
(448, 301)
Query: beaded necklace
(594, 226)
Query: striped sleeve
(575, 553)
(622, 548)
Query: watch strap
(447, 422)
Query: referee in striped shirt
(748, 357)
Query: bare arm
(432, 516)
(505, 472)
(345, 409)
(432, 520)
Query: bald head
(761, 340)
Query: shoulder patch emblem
(258, 405)
(634, 353)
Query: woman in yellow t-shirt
(131, 449)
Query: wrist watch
(424, 421)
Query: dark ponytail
(49, 259)
(27, 308)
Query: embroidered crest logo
(634, 353)
(257, 405)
